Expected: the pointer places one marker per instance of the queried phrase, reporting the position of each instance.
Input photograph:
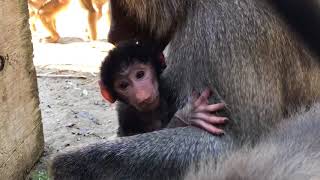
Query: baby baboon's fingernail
(221, 133)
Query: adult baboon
(47, 14)
(47, 10)
(34, 6)
(94, 8)
(259, 67)
(290, 152)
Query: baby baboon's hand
(202, 113)
(198, 112)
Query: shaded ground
(72, 108)
(73, 111)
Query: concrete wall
(21, 136)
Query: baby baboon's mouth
(151, 105)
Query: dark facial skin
(138, 86)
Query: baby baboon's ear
(162, 61)
(105, 93)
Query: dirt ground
(73, 111)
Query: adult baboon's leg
(157, 155)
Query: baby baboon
(130, 74)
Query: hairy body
(290, 152)
(305, 22)
(260, 69)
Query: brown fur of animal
(47, 10)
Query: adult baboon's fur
(291, 152)
(242, 50)
(303, 17)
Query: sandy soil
(73, 111)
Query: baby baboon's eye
(140, 74)
(123, 85)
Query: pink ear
(162, 61)
(105, 93)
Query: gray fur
(292, 152)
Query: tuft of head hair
(127, 53)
